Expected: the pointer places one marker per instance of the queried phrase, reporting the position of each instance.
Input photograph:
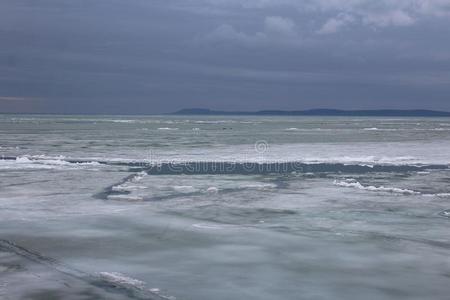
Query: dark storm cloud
(151, 56)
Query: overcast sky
(155, 56)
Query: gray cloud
(279, 26)
(275, 29)
(334, 24)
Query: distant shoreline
(319, 112)
(310, 112)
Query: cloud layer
(113, 56)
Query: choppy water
(96, 207)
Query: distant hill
(320, 112)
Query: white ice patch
(119, 278)
(131, 184)
(127, 188)
(371, 129)
(43, 162)
(184, 188)
(139, 176)
(215, 121)
(212, 190)
(261, 186)
(211, 226)
(440, 129)
(23, 160)
(442, 195)
(167, 128)
(124, 121)
(204, 226)
(351, 183)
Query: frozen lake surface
(224, 207)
